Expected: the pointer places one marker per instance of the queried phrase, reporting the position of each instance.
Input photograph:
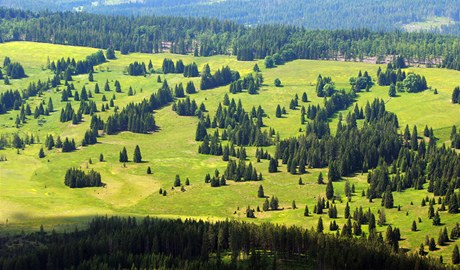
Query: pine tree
(41, 153)
(278, 111)
(320, 227)
(432, 245)
(306, 213)
(333, 173)
(414, 226)
(123, 155)
(137, 158)
(294, 206)
(347, 211)
(453, 204)
(201, 132)
(320, 179)
(421, 250)
(304, 97)
(50, 105)
(392, 91)
(273, 166)
(329, 190)
(90, 76)
(266, 205)
(177, 181)
(436, 219)
(388, 198)
(261, 193)
(455, 255)
(101, 157)
(274, 203)
(149, 170)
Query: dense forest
(205, 37)
(329, 14)
(151, 243)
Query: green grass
(32, 189)
(429, 24)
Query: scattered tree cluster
(76, 178)
(221, 77)
(362, 82)
(14, 70)
(251, 83)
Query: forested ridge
(329, 14)
(205, 37)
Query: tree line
(207, 37)
(190, 244)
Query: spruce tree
(278, 111)
(177, 181)
(123, 155)
(50, 105)
(201, 132)
(149, 170)
(453, 204)
(261, 193)
(329, 190)
(388, 198)
(320, 179)
(137, 158)
(455, 255)
(414, 226)
(306, 213)
(436, 219)
(41, 153)
(272, 167)
(320, 226)
(266, 205)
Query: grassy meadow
(32, 190)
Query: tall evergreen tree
(329, 190)
(137, 158)
(123, 155)
(261, 193)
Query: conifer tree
(453, 204)
(272, 167)
(320, 179)
(306, 213)
(329, 190)
(414, 226)
(278, 111)
(261, 193)
(123, 155)
(177, 181)
(266, 205)
(388, 198)
(137, 158)
(41, 153)
(320, 226)
(455, 255)
(50, 105)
